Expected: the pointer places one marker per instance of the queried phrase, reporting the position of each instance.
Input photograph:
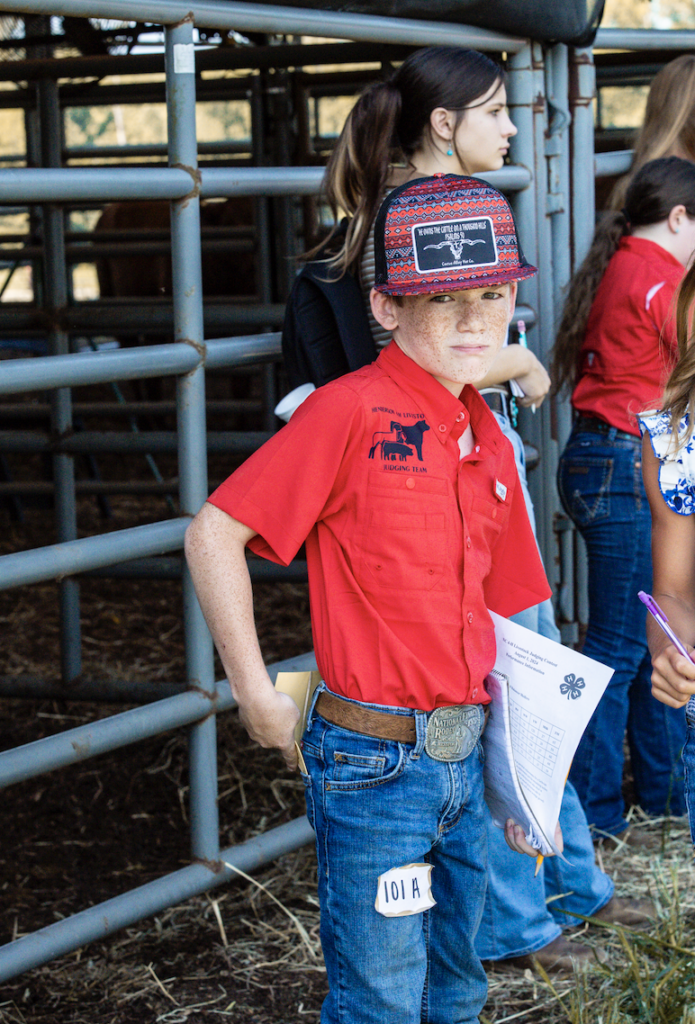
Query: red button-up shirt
(407, 544)
(630, 344)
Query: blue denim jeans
(375, 805)
(600, 483)
(517, 918)
(689, 764)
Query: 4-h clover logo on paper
(572, 686)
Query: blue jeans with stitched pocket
(600, 484)
(379, 804)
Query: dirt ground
(247, 952)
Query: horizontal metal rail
(112, 733)
(21, 375)
(42, 410)
(60, 184)
(606, 164)
(116, 731)
(104, 919)
(287, 20)
(149, 442)
(130, 316)
(213, 58)
(36, 488)
(74, 556)
(644, 39)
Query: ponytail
(359, 165)
(582, 292)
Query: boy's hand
(516, 839)
(673, 677)
(270, 720)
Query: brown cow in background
(225, 273)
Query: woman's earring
(449, 151)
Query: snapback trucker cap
(443, 234)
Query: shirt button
(377, 567)
(431, 572)
(410, 483)
(460, 417)
(470, 618)
(468, 542)
(442, 427)
(477, 447)
(475, 692)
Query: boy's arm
(215, 550)
(514, 362)
(673, 556)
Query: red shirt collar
(452, 415)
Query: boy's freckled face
(454, 335)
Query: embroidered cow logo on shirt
(400, 442)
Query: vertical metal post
(527, 109)
(582, 91)
(55, 284)
(558, 206)
(190, 401)
(264, 270)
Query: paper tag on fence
(405, 890)
(184, 59)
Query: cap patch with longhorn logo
(443, 234)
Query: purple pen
(661, 620)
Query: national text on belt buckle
(452, 732)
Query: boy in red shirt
(405, 491)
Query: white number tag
(405, 890)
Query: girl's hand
(673, 677)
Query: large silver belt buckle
(452, 732)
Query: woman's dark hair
(657, 187)
(389, 122)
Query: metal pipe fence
(552, 178)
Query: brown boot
(635, 838)
(631, 913)
(560, 956)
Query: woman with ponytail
(668, 467)
(615, 348)
(444, 111)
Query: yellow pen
(539, 861)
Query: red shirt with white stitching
(630, 345)
(407, 544)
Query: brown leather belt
(380, 724)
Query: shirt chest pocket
(488, 517)
(405, 541)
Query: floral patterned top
(677, 469)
